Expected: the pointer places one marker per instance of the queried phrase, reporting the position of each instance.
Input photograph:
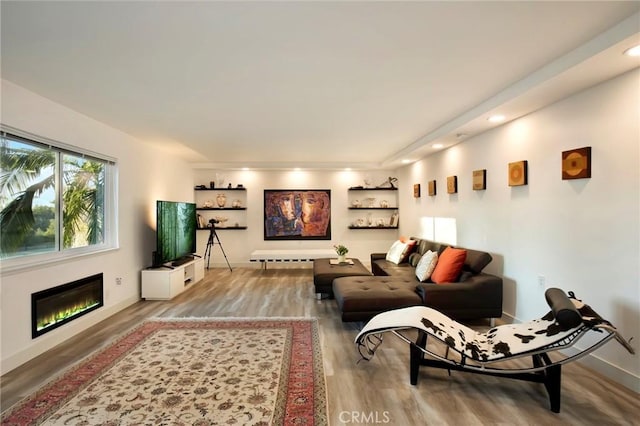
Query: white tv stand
(164, 283)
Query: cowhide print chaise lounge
(475, 352)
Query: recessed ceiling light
(633, 51)
(297, 169)
(496, 118)
(437, 145)
(406, 161)
(245, 168)
(348, 169)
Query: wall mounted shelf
(373, 227)
(220, 189)
(222, 228)
(372, 189)
(221, 208)
(355, 202)
(236, 221)
(373, 208)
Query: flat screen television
(175, 232)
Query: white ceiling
(311, 84)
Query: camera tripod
(214, 239)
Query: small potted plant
(342, 252)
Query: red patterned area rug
(191, 371)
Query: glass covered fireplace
(56, 306)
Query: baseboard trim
(610, 371)
(595, 363)
(54, 338)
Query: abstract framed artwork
(576, 163)
(416, 190)
(432, 188)
(297, 214)
(479, 179)
(452, 184)
(518, 173)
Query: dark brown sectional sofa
(474, 295)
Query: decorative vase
(342, 258)
(221, 200)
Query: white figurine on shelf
(220, 178)
(367, 181)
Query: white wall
(238, 245)
(144, 173)
(581, 235)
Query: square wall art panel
(452, 184)
(432, 188)
(479, 180)
(518, 173)
(576, 163)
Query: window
(55, 201)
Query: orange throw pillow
(449, 265)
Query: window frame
(61, 254)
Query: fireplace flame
(67, 312)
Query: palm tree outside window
(52, 199)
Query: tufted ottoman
(324, 273)
(360, 298)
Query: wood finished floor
(358, 393)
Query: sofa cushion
(426, 265)
(449, 265)
(384, 267)
(465, 275)
(414, 259)
(476, 261)
(400, 251)
(424, 246)
(395, 251)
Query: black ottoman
(324, 273)
(361, 298)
